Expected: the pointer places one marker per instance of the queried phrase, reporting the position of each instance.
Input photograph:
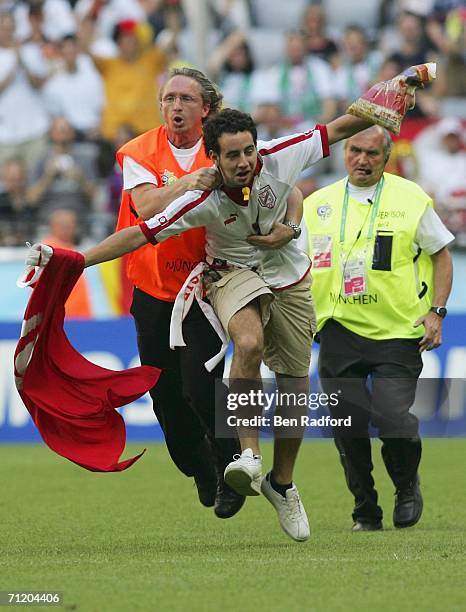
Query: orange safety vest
(161, 269)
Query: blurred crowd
(78, 78)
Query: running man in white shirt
(261, 296)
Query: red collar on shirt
(236, 193)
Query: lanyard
(375, 209)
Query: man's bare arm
(116, 245)
(344, 127)
(150, 200)
(443, 276)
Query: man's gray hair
(209, 91)
(387, 140)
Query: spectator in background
(443, 173)
(270, 121)
(436, 26)
(63, 232)
(167, 23)
(64, 177)
(389, 68)
(57, 18)
(358, 66)
(36, 27)
(232, 66)
(23, 117)
(131, 82)
(451, 76)
(17, 212)
(412, 47)
(317, 42)
(100, 17)
(164, 15)
(76, 91)
(303, 85)
(230, 15)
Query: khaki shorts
(287, 315)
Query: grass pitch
(140, 540)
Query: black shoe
(206, 490)
(408, 505)
(205, 474)
(362, 526)
(227, 501)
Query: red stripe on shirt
(150, 233)
(292, 141)
(146, 231)
(324, 138)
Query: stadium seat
(341, 14)
(284, 15)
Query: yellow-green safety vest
(400, 290)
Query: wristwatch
(296, 229)
(440, 311)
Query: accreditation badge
(354, 277)
(321, 251)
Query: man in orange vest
(158, 167)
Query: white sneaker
(244, 474)
(291, 513)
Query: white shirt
(23, 115)
(134, 174)
(229, 223)
(78, 96)
(431, 233)
(443, 174)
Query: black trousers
(184, 396)
(375, 381)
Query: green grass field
(140, 540)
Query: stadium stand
(33, 82)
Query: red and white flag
(71, 400)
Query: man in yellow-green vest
(382, 275)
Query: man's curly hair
(227, 121)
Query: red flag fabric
(71, 400)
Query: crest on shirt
(266, 197)
(168, 178)
(324, 212)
